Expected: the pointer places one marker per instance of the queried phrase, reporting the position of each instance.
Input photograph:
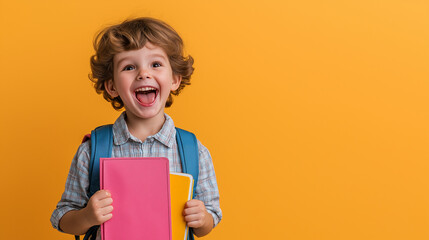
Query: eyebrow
(151, 55)
(157, 55)
(120, 61)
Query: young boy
(138, 65)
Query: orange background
(316, 113)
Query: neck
(143, 128)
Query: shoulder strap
(101, 147)
(187, 146)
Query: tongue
(146, 98)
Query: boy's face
(143, 79)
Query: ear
(177, 79)
(110, 88)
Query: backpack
(101, 147)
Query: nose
(144, 74)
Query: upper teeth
(143, 89)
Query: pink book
(140, 189)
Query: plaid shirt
(162, 144)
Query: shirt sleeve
(75, 193)
(207, 189)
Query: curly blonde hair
(133, 35)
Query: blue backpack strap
(101, 147)
(187, 146)
(188, 151)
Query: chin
(151, 114)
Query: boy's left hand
(195, 213)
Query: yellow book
(180, 192)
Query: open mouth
(146, 96)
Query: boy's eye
(156, 64)
(128, 68)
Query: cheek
(123, 83)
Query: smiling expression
(143, 79)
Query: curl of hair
(133, 35)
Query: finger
(193, 218)
(195, 224)
(101, 194)
(193, 210)
(106, 210)
(193, 203)
(105, 202)
(100, 218)
(106, 217)
(105, 194)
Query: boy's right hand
(99, 208)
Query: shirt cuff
(58, 214)
(216, 217)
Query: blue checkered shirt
(162, 144)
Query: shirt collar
(121, 134)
